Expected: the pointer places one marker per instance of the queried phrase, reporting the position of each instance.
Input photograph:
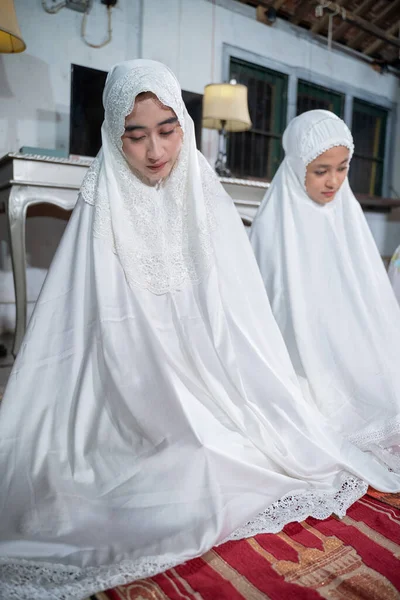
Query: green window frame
(369, 123)
(257, 153)
(311, 96)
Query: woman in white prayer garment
(153, 411)
(328, 288)
(394, 273)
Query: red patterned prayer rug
(354, 558)
(391, 499)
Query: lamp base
(221, 169)
(220, 164)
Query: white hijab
(153, 411)
(329, 291)
(394, 273)
(162, 238)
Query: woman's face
(326, 174)
(152, 139)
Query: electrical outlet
(109, 2)
(79, 5)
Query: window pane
(258, 152)
(369, 133)
(311, 97)
(365, 176)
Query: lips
(328, 194)
(157, 167)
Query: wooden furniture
(27, 180)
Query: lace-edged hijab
(161, 234)
(311, 134)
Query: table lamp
(225, 108)
(10, 34)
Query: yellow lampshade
(10, 35)
(226, 102)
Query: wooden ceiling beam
(323, 22)
(386, 12)
(300, 12)
(365, 26)
(269, 3)
(377, 45)
(360, 10)
(278, 3)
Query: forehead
(148, 111)
(333, 156)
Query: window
(257, 153)
(277, 92)
(194, 106)
(311, 96)
(369, 133)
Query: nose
(154, 150)
(331, 182)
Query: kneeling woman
(328, 288)
(153, 410)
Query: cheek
(312, 184)
(176, 145)
(131, 151)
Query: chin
(321, 201)
(324, 200)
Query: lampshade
(10, 35)
(226, 102)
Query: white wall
(189, 35)
(35, 85)
(34, 106)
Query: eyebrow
(166, 122)
(327, 166)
